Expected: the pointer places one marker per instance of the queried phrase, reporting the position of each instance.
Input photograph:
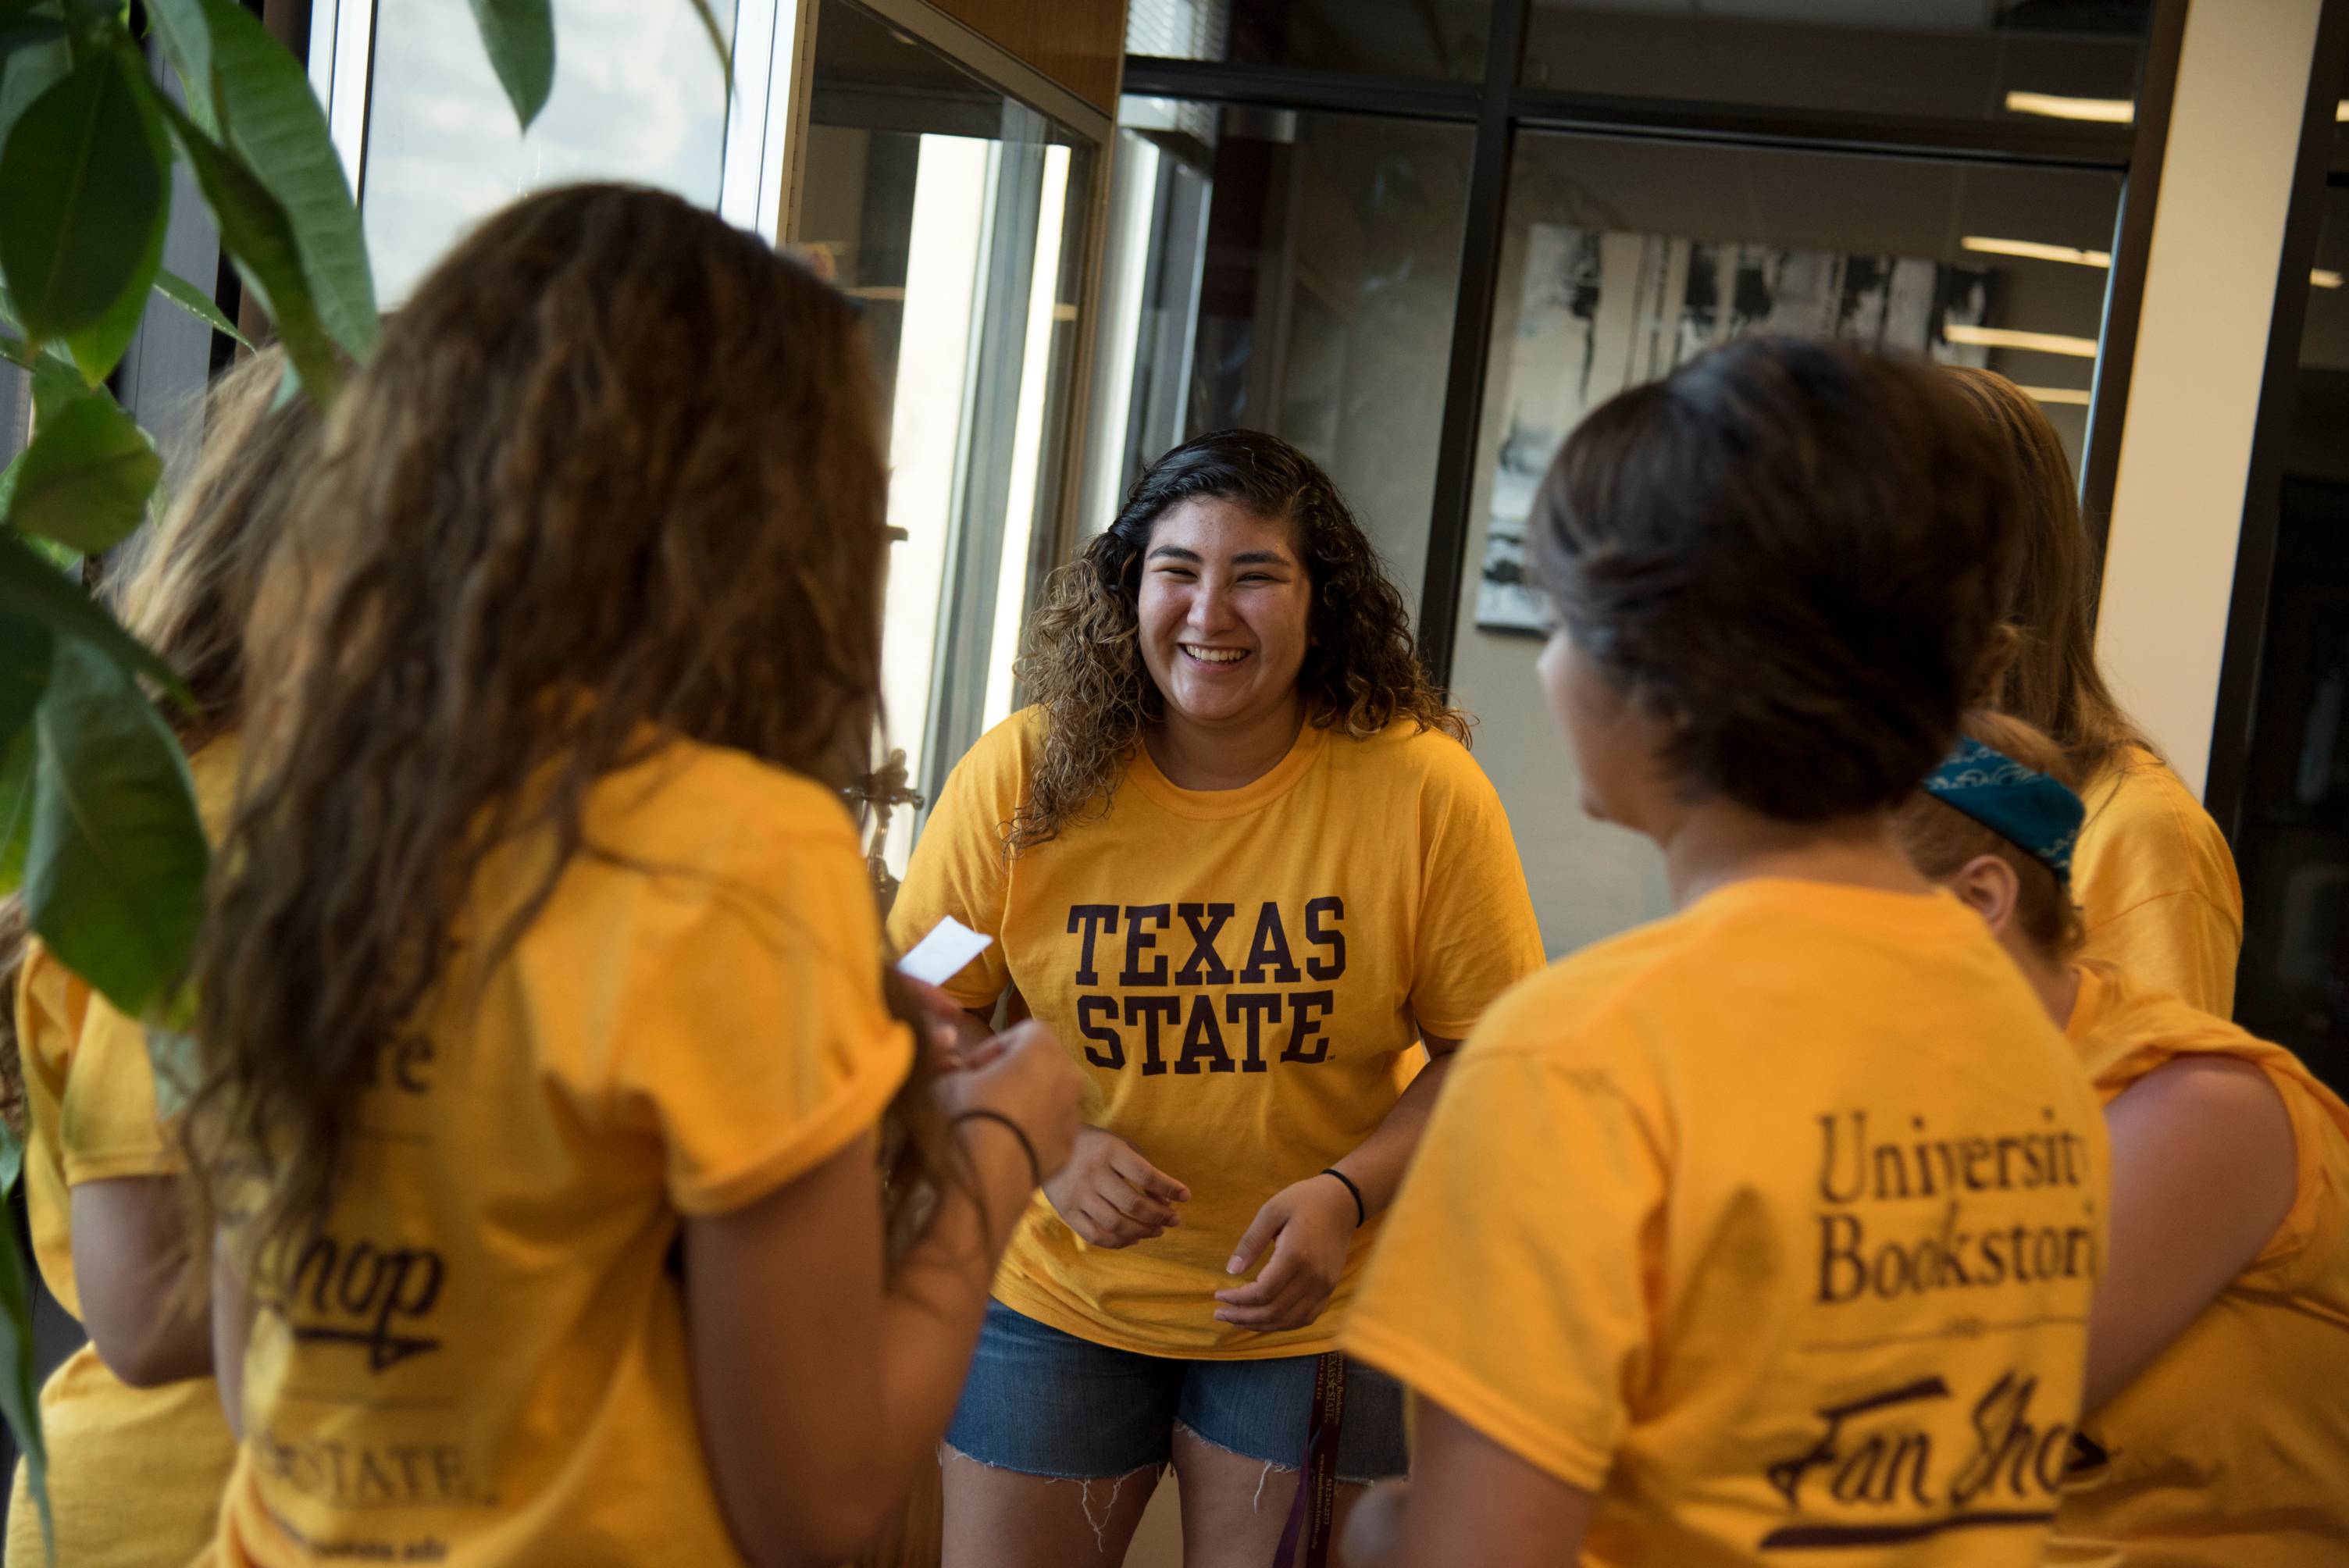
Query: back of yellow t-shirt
(1773, 1225)
(481, 1359)
(2233, 1447)
(2156, 885)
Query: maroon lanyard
(1305, 1542)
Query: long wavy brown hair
(613, 479)
(2052, 682)
(185, 589)
(1084, 667)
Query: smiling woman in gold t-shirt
(1238, 857)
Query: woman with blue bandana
(2224, 1305)
(2156, 884)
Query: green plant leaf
(25, 74)
(17, 352)
(26, 650)
(83, 192)
(64, 557)
(55, 383)
(99, 347)
(187, 43)
(114, 872)
(278, 129)
(85, 479)
(717, 42)
(20, 32)
(519, 37)
(20, 1399)
(259, 239)
(31, 588)
(196, 302)
(15, 806)
(19, 1392)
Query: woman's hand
(949, 1030)
(1111, 1196)
(1309, 1225)
(1022, 1073)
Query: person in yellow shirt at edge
(2215, 1431)
(2153, 875)
(1238, 856)
(137, 1451)
(543, 937)
(1765, 1232)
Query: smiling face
(1224, 608)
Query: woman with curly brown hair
(1238, 857)
(543, 938)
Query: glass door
(958, 214)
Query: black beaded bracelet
(1361, 1214)
(1026, 1146)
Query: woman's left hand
(1309, 1225)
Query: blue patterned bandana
(2030, 810)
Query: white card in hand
(939, 956)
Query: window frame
(762, 182)
(1499, 107)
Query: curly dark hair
(1083, 666)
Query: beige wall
(1589, 881)
(2210, 289)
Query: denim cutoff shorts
(1047, 1403)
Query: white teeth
(1215, 655)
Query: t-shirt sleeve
(2157, 889)
(108, 1123)
(2178, 942)
(754, 1043)
(51, 1004)
(1511, 1283)
(1477, 935)
(2320, 1131)
(958, 869)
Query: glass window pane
(1441, 38)
(638, 95)
(1291, 272)
(954, 214)
(1622, 259)
(1944, 60)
